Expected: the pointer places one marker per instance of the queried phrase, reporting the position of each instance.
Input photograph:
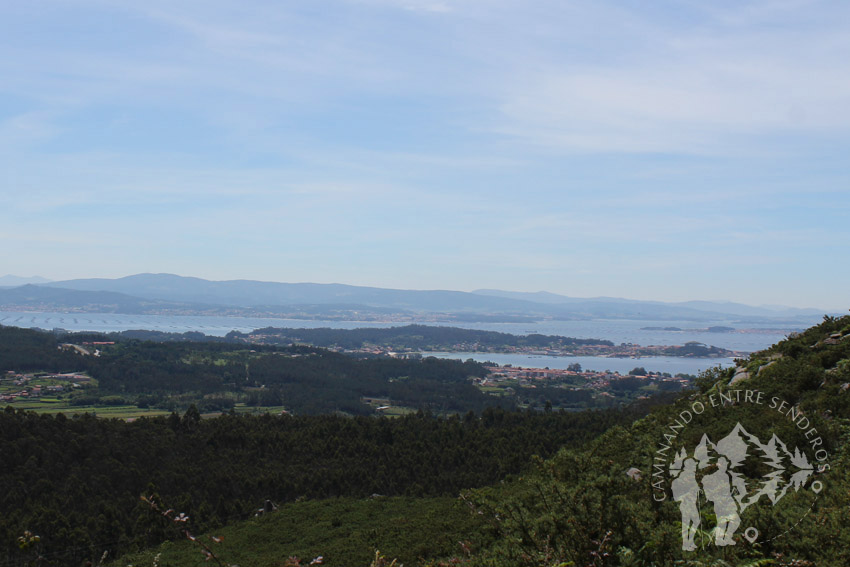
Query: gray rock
(763, 366)
(634, 473)
(740, 374)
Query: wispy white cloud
(688, 91)
(640, 82)
(21, 130)
(475, 134)
(413, 5)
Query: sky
(666, 150)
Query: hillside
(249, 293)
(599, 504)
(10, 280)
(343, 531)
(32, 297)
(582, 505)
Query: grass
(7, 386)
(390, 409)
(55, 405)
(241, 408)
(344, 531)
(397, 411)
(61, 406)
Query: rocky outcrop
(634, 473)
(763, 366)
(740, 374)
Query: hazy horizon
(717, 301)
(671, 152)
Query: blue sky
(664, 150)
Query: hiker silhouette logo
(727, 488)
(715, 482)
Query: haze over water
(618, 331)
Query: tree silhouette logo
(726, 487)
(735, 472)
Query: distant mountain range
(160, 293)
(603, 303)
(14, 281)
(32, 297)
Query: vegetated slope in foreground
(76, 482)
(581, 507)
(342, 531)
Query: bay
(672, 364)
(619, 331)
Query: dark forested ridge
(274, 368)
(215, 375)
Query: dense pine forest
(496, 487)
(77, 481)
